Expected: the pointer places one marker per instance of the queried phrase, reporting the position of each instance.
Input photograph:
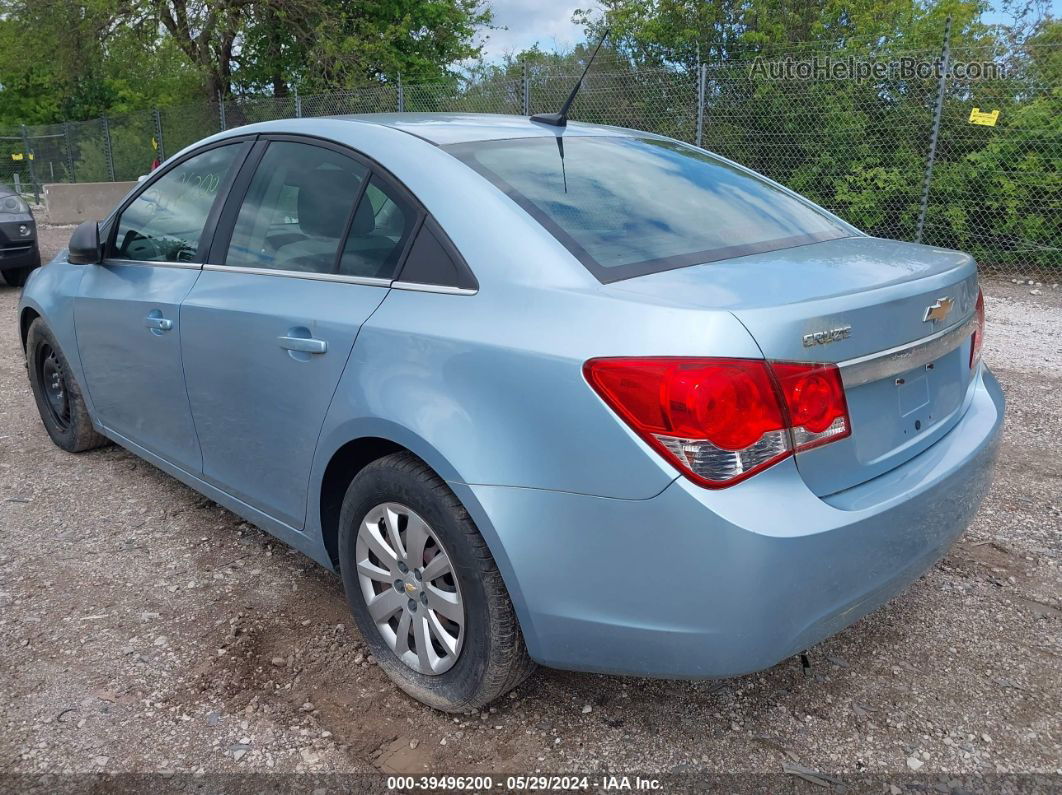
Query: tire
(64, 414)
(491, 658)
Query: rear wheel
(57, 393)
(425, 590)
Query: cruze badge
(828, 336)
(938, 311)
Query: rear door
(306, 250)
(128, 327)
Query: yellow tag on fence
(16, 156)
(977, 116)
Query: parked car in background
(19, 253)
(575, 395)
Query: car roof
(453, 128)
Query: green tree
(62, 60)
(685, 33)
(251, 45)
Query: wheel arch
(356, 444)
(25, 320)
(342, 468)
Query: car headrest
(320, 213)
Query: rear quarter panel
(489, 388)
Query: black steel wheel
(57, 393)
(52, 377)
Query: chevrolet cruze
(572, 395)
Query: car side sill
(289, 535)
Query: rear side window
(164, 223)
(296, 209)
(630, 206)
(430, 261)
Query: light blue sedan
(575, 395)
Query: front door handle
(303, 344)
(156, 322)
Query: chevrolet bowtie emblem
(938, 311)
(410, 588)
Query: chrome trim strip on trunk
(320, 277)
(893, 361)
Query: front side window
(296, 209)
(165, 222)
(630, 206)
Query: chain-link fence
(941, 156)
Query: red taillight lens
(814, 399)
(729, 403)
(721, 420)
(979, 333)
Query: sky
(548, 22)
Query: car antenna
(561, 119)
(560, 148)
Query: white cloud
(547, 22)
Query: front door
(127, 311)
(266, 335)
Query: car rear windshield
(630, 206)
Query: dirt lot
(144, 628)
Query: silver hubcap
(409, 586)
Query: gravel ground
(144, 628)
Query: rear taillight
(721, 420)
(814, 401)
(979, 333)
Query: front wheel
(57, 393)
(425, 590)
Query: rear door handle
(157, 323)
(303, 344)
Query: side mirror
(84, 246)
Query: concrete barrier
(72, 203)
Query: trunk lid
(849, 301)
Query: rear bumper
(699, 584)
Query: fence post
(526, 84)
(107, 151)
(32, 172)
(221, 110)
(401, 95)
(69, 152)
(158, 134)
(701, 77)
(945, 61)
(298, 103)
